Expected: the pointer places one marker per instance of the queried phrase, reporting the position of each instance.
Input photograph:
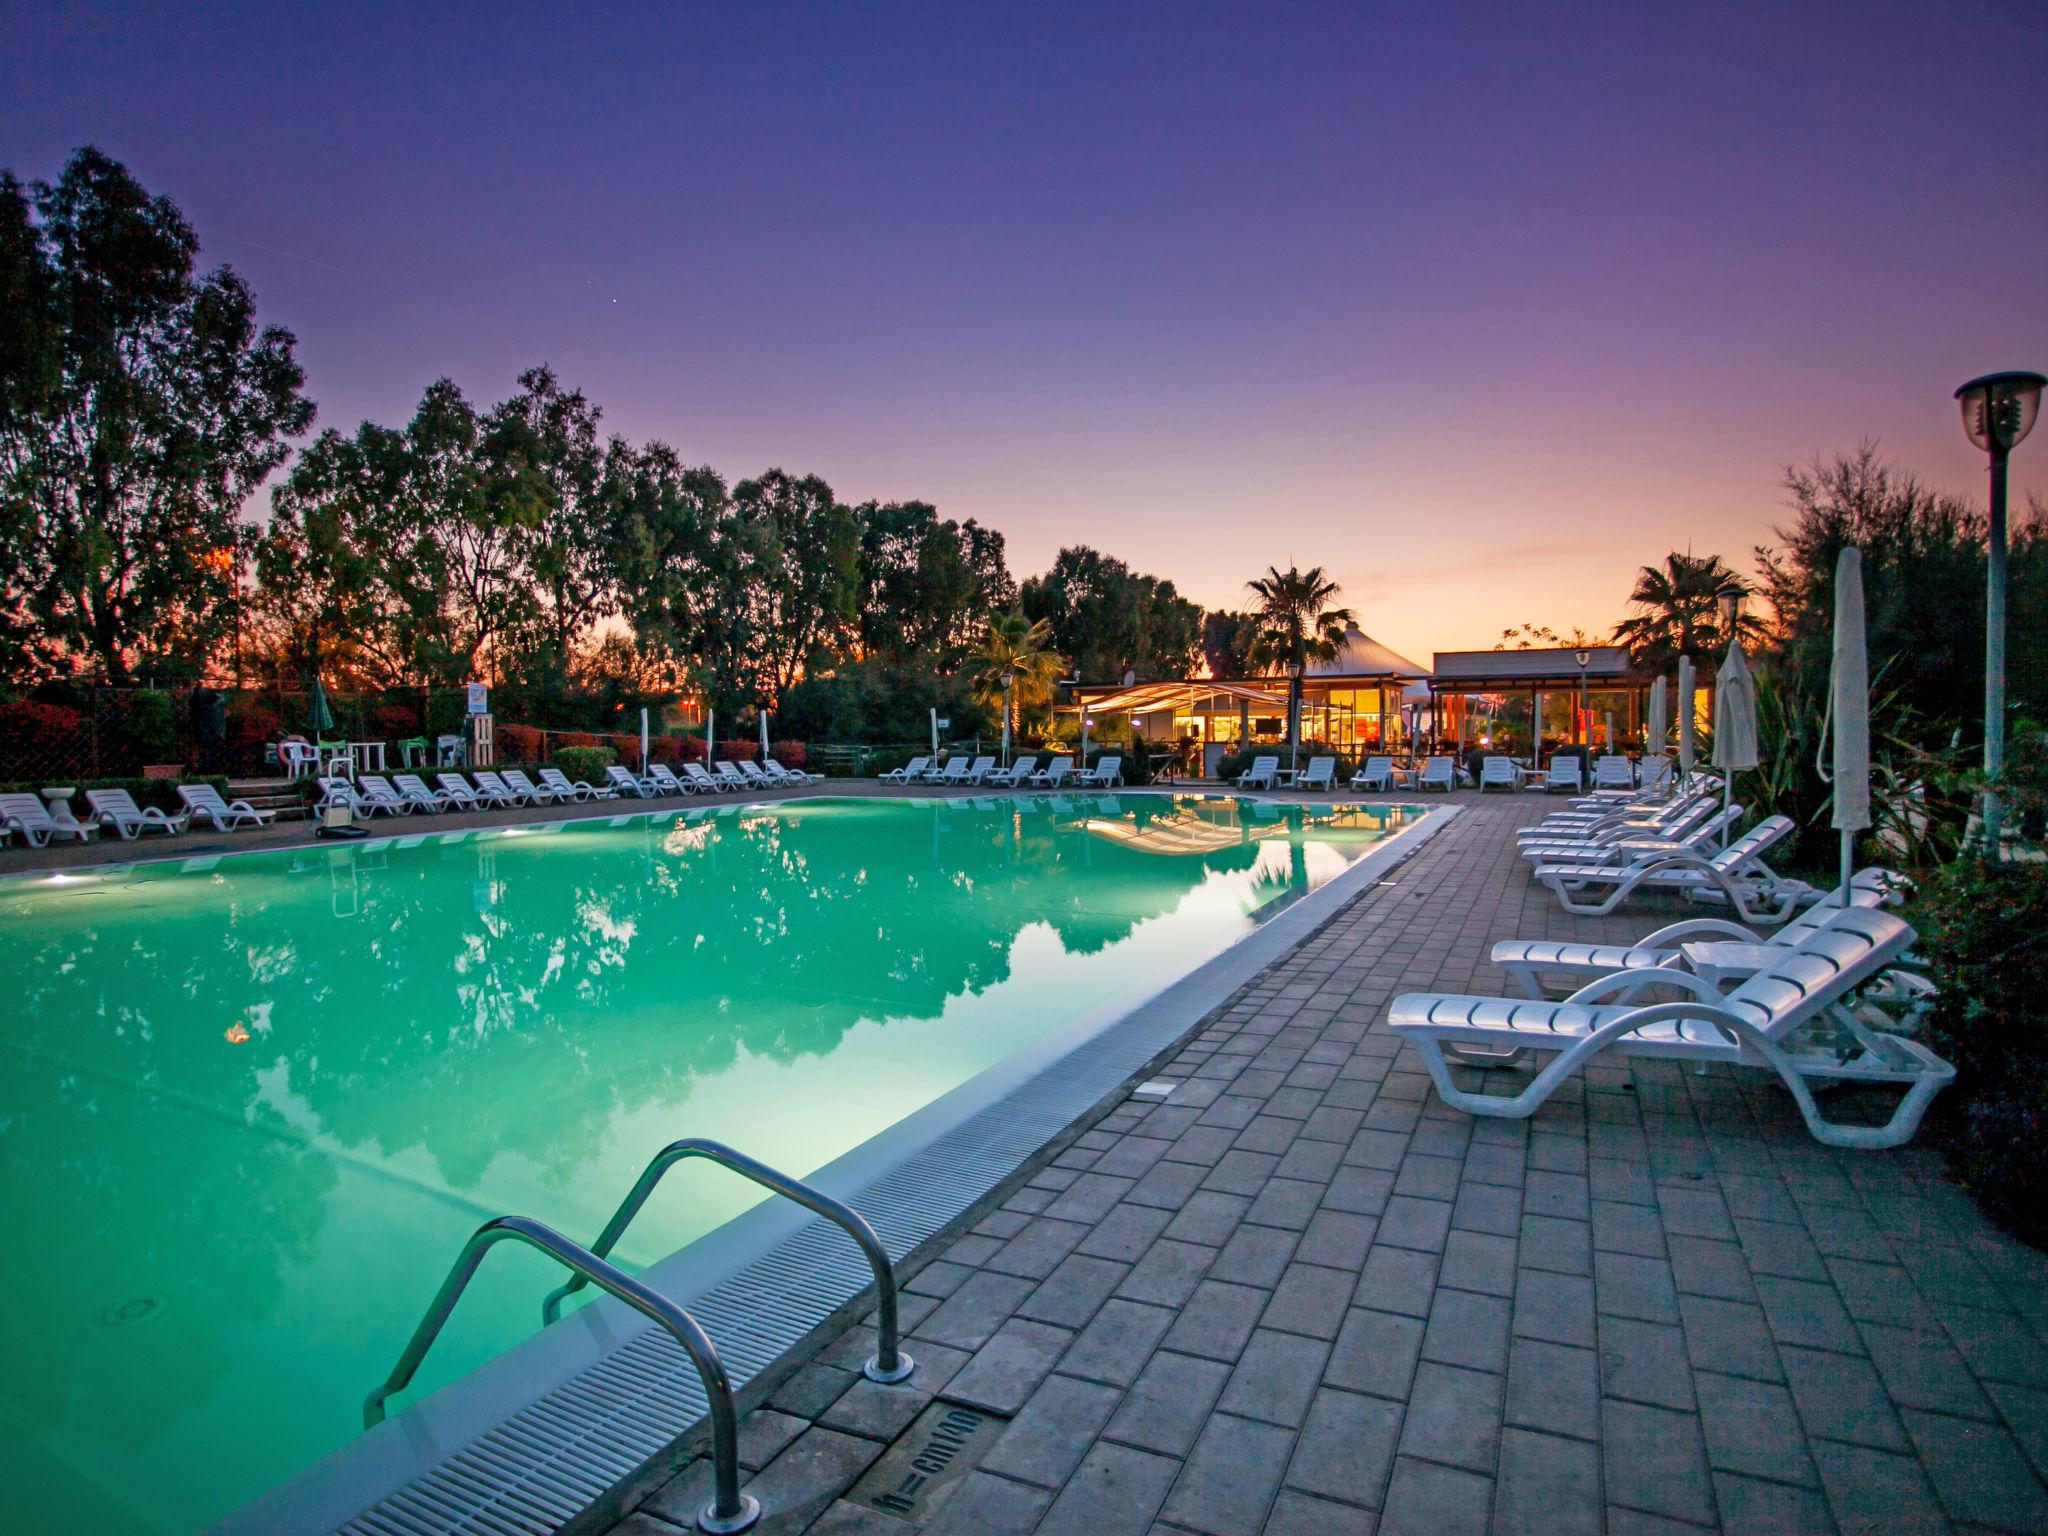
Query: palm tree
(1675, 614)
(1015, 666)
(1294, 625)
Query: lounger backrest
(202, 797)
(1378, 764)
(1436, 768)
(517, 778)
(1838, 956)
(1023, 766)
(27, 809)
(1565, 770)
(915, 766)
(1496, 769)
(1755, 841)
(1061, 765)
(1108, 767)
(412, 784)
(617, 774)
(114, 802)
(554, 778)
(1656, 772)
(1869, 888)
(1318, 767)
(376, 786)
(982, 765)
(456, 784)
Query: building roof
(1363, 656)
(1487, 669)
(1144, 698)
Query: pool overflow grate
(551, 1460)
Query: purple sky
(1478, 313)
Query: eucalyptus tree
(1112, 620)
(1294, 623)
(140, 405)
(926, 583)
(797, 553)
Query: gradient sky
(1477, 310)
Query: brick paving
(1301, 1296)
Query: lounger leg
(1895, 1132)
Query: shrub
(519, 743)
(585, 763)
(739, 751)
(788, 753)
(1980, 928)
(149, 727)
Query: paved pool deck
(1301, 1297)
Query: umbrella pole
(1848, 863)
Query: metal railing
(888, 1365)
(729, 1510)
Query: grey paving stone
(1487, 1208)
(976, 1310)
(1397, 1280)
(1275, 1378)
(1285, 1202)
(1622, 1228)
(1554, 1388)
(1411, 1223)
(1312, 1162)
(1114, 1347)
(844, 1519)
(1230, 1478)
(1979, 1472)
(1875, 1493)
(1346, 1448)
(1254, 1256)
(1549, 1486)
(1036, 1251)
(1168, 1274)
(797, 1486)
(1750, 1507)
(1428, 1500)
(1047, 1439)
(811, 1390)
(1644, 1362)
(1807, 1313)
(1478, 1261)
(1999, 1346)
(1922, 1370)
(1073, 1293)
(1115, 1492)
(1301, 1514)
(1729, 1336)
(1841, 1398)
(1095, 1194)
(876, 1411)
(1164, 1411)
(1750, 1427)
(981, 1505)
(1554, 1307)
(1654, 1460)
(1375, 1352)
(1337, 1239)
(1634, 1285)
(1008, 1368)
(1241, 1173)
(762, 1435)
(1217, 1320)
(2025, 1412)
(1879, 1293)
(1469, 1329)
(940, 1279)
(1168, 1185)
(1545, 1193)
(1309, 1300)
(1554, 1243)
(1208, 1217)
(1454, 1416)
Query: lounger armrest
(1616, 981)
(1695, 928)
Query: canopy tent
(1146, 698)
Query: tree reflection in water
(225, 1238)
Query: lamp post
(1009, 683)
(1998, 412)
(1584, 733)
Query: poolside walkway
(1302, 1297)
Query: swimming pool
(253, 1107)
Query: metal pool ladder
(729, 1510)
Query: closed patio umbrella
(1734, 720)
(1659, 724)
(322, 718)
(764, 737)
(1849, 712)
(1687, 721)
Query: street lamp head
(1999, 409)
(1729, 601)
(1583, 658)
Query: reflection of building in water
(1206, 826)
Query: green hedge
(585, 764)
(162, 793)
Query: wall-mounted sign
(479, 699)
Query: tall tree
(799, 556)
(1015, 667)
(1296, 624)
(926, 583)
(682, 581)
(1229, 639)
(548, 463)
(1111, 620)
(1674, 612)
(140, 405)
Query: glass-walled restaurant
(1352, 702)
(1508, 701)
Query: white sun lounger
(372, 786)
(1527, 961)
(412, 789)
(914, 769)
(1108, 773)
(1498, 772)
(1015, 774)
(1695, 834)
(335, 790)
(1378, 773)
(1054, 773)
(626, 782)
(1736, 874)
(1321, 773)
(28, 815)
(1264, 773)
(729, 774)
(1437, 773)
(664, 780)
(494, 789)
(1653, 813)
(1565, 774)
(1768, 1021)
(1653, 774)
(116, 808)
(566, 788)
(793, 775)
(203, 800)
(697, 779)
(956, 771)
(536, 794)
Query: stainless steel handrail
(889, 1364)
(729, 1510)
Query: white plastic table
(65, 824)
(368, 756)
(1722, 964)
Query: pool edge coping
(1038, 1092)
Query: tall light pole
(1584, 731)
(1009, 684)
(1998, 412)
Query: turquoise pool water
(251, 1109)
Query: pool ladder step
(729, 1510)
